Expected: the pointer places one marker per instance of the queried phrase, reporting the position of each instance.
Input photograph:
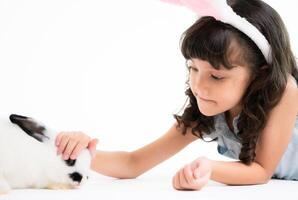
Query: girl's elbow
(262, 181)
(265, 177)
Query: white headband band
(220, 10)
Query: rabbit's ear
(30, 126)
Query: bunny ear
(202, 7)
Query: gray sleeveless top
(229, 145)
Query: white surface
(154, 186)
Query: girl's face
(219, 90)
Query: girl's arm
(272, 144)
(237, 173)
(132, 164)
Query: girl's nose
(200, 85)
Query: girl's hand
(193, 176)
(70, 144)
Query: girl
(242, 92)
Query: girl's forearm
(116, 164)
(237, 173)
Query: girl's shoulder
(277, 133)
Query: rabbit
(28, 158)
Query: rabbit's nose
(76, 177)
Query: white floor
(153, 186)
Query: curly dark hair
(209, 39)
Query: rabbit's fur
(28, 157)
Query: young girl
(242, 92)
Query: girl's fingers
(92, 144)
(193, 176)
(196, 173)
(58, 138)
(77, 149)
(194, 182)
(70, 144)
(69, 148)
(190, 179)
(182, 180)
(195, 164)
(176, 182)
(200, 180)
(62, 145)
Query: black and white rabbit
(28, 158)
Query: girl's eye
(216, 77)
(192, 69)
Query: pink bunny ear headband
(220, 10)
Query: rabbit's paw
(59, 186)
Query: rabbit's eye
(70, 162)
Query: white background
(112, 69)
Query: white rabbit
(28, 158)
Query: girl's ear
(30, 126)
(261, 70)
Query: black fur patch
(31, 127)
(76, 177)
(70, 162)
